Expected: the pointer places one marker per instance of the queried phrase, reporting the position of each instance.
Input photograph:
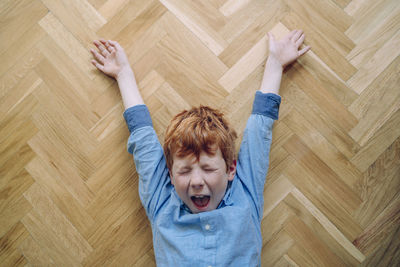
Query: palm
(110, 57)
(286, 51)
(111, 65)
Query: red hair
(199, 129)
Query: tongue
(201, 202)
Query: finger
(296, 35)
(304, 50)
(102, 47)
(271, 38)
(108, 46)
(291, 34)
(97, 65)
(97, 56)
(104, 43)
(300, 40)
(115, 44)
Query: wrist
(272, 76)
(123, 73)
(273, 65)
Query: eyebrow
(206, 165)
(184, 168)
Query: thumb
(271, 37)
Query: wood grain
(69, 189)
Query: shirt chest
(206, 239)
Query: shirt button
(207, 228)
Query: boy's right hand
(110, 58)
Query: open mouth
(201, 202)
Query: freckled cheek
(181, 184)
(216, 182)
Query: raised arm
(253, 160)
(281, 54)
(112, 60)
(154, 183)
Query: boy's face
(201, 184)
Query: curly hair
(199, 129)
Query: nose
(196, 180)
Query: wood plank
(193, 21)
(378, 63)
(380, 228)
(328, 178)
(323, 97)
(303, 236)
(52, 185)
(57, 224)
(323, 228)
(248, 62)
(368, 46)
(22, 45)
(325, 79)
(47, 240)
(348, 173)
(368, 17)
(78, 17)
(300, 256)
(275, 192)
(18, 71)
(272, 223)
(9, 243)
(383, 91)
(321, 46)
(378, 143)
(276, 248)
(34, 253)
(239, 46)
(328, 19)
(330, 207)
(17, 17)
(68, 42)
(72, 179)
(379, 184)
(318, 118)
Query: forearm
(272, 76)
(129, 90)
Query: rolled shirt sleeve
(137, 116)
(267, 105)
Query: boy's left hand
(286, 51)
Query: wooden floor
(69, 189)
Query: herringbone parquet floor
(68, 187)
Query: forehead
(204, 159)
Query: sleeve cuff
(266, 104)
(137, 116)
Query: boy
(205, 207)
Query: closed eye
(185, 171)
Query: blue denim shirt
(227, 236)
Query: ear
(232, 171)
